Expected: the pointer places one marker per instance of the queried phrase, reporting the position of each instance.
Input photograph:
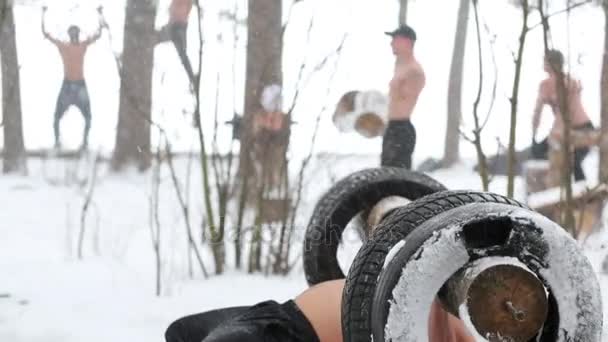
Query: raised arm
(100, 26)
(45, 32)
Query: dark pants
(197, 327)
(580, 153)
(264, 322)
(540, 150)
(73, 93)
(398, 144)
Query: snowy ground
(47, 294)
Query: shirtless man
(404, 89)
(74, 89)
(313, 316)
(176, 29)
(548, 95)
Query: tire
(356, 193)
(534, 240)
(363, 275)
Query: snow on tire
(357, 192)
(442, 245)
(363, 275)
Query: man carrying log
(405, 87)
(548, 95)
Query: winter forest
(409, 170)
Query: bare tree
(604, 101)
(14, 159)
(264, 68)
(403, 11)
(135, 106)
(87, 204)
(451, 152)
(283, 262)
(155, 227)
(562, 86)
(525, 11)
(216, 232)
(481, 157)
(186, 211)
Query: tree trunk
(134, 116)
(402, 11)
(264, 68)
(604, 95)
(514, 100)
(14, 149)
(451, 152)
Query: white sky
(365, 64)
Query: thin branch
(86, 204)
(184, 207)
(562, 11)
(302, 67)
(289, 13)
(154, 216)
(483, 167)
(318, 67)
(495, 69)
(215, 238)
(464, 136)
(514, 100)
(306, 161)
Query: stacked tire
(417, 248)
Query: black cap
(403, 31)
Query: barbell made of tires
(496, 260)
(363, 275)
(356, 193)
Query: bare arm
(45, 32)
(415, 83)
(409, 90)
(100, 26)
(538, 109)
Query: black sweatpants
(398, 144)
(264, 322)
(540, 150)
(580, 153)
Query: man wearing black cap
(404, 89)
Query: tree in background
(451, 152)
(511, 162)
(604, 101)
(14, 150)
(264, 69)
(135, 106)
(481, 156)
(264, 66)
(402, 11)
